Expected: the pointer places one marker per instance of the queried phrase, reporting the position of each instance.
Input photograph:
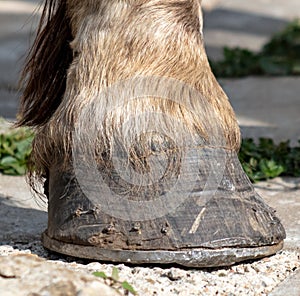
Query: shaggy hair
(84, 46)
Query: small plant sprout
(114, 281)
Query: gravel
(251, 278)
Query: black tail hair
(44, 76)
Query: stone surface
(20, 268)
(28, 274)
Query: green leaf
(9, 171)
(8, 160)
(296, 68)
(15, 149)
(129, 288)
(270, 168)
(273, 66)
(115, 274)
(12, 166)
(100, 274)
(8, 147)
(267, 159)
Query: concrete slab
(9, 102)
(266, 107)
(18, 21)
(289, 9)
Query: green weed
(15, 148)
(114, 281)
(266, 160)
(279, 56)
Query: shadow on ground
(20, 225)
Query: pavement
(265, 107)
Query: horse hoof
(214, 219)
